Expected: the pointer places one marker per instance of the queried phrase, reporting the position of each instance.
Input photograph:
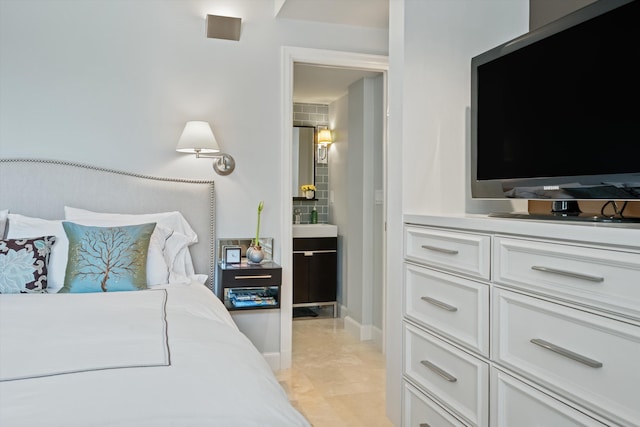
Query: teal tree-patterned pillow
(106, 259)
(24, 264)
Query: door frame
(291, 55)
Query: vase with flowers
(255, 254)
(309, 191)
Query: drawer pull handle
(568, 273)
(262, 276)
(444, 374)
(443, 250)
(321, 251)
(440, 304)
(424, 425)
(567, 353)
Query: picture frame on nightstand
(231, 254)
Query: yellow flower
(308, 187)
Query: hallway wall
(356, 171)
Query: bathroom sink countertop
(315, 230)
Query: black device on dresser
(554, 112)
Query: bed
(149, 345)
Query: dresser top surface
(617, 234)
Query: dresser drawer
(605, 279)
(251, 277)
(420, 411)
(589, 359)
(450, 305)
(465, 253)
(449, 375)
(514, 403)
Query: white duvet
(170, 356)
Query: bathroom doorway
(346, 205)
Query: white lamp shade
(324, 137)
(197, 137)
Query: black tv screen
(555, 113)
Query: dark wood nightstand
(247, 286)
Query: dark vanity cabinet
(315, 274)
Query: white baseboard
(363, 332)
(284, 360)
(343, 311)
(273, 359)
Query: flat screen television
(555, 113)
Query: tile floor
(335, 380)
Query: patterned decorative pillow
(20, 226)
(3, 221)
(107, 259)
(24, 264)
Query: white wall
(111, 83)
(440, 39)
(393, 296)
(356, 171)
(430, 47)
(377, 231)
(338, 209)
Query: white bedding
(117, 330)
(168, 356)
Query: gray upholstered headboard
(41, 188)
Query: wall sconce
(223, 27)
(197, 138)
(324, 139)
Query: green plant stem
(260, 207)
(256, 241)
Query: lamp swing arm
(224, 165)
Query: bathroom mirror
(303, 157)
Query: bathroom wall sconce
(324, 139)
(223, 27)
(197, 138)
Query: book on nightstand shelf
(248, 297)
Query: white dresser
(520, 323)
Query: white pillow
(3, 221)
(178, 257)
(171, 220)
(171, 247)
(20, 226)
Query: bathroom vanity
(315, 260)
